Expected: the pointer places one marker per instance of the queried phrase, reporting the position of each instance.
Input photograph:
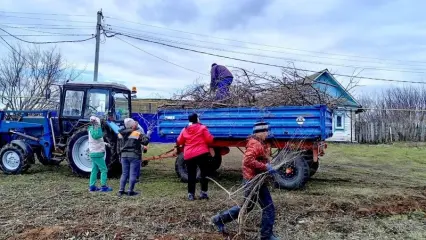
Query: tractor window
(97, 103)
(73, 104)
(121, 104)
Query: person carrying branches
(221, 80)
(256, 161)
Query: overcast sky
(383, 34)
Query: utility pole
(98, 40)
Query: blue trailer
(298, 128)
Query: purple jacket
(218, 73)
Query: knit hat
(193, 118)
(129, 123)
(95, 119)
(260, 127)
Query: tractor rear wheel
(78, 154)
(14, 160)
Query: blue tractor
(61, 134)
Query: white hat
(129, 123)
(95, 119)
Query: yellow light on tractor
(134, 91)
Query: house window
(340, 121)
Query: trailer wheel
(216, 160)
(13, 160)
(78, 154)
(313, 166)
(293, 175)
(181, 171)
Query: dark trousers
(268, 210)
(130, 172)
(191, 166)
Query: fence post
(390, 133)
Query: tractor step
(61, 145)
(57, 160)
(59, 154)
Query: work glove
(149, 133)
(270, 169)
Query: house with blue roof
(347, 107)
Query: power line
(161, 58)
(65, 41)
(46, 35)
(49, 14)
(286, 59)
(33, 25)
(259, 49)
(29, 29)
(258, 44)
(265, 64)
(45, 19)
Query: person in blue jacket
(221, 80)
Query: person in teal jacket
(97, 156)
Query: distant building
(347, 108)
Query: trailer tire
(13, 160)
(313, 166)
(181, 171)
(216, 161)
(297, 176)
(78, 154)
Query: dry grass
(360, 192)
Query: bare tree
(26, 74)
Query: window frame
(341, 115)
(81, 106)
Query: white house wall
(348, 133)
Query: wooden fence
(385, 132)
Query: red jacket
(196, 139)
(255, 158)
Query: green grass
(359, 192)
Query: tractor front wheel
(78, 154)
(14, 160)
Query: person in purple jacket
(221, 80)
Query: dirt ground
(360, 192)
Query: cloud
(169, 12)
(232, 15)
(305, 31)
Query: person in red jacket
(196, 139)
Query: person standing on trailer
(97, 156)
(255, 161)
(196, 139)
(130, 141)
(221, 80)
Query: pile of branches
(250, 89)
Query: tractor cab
(108, 101)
